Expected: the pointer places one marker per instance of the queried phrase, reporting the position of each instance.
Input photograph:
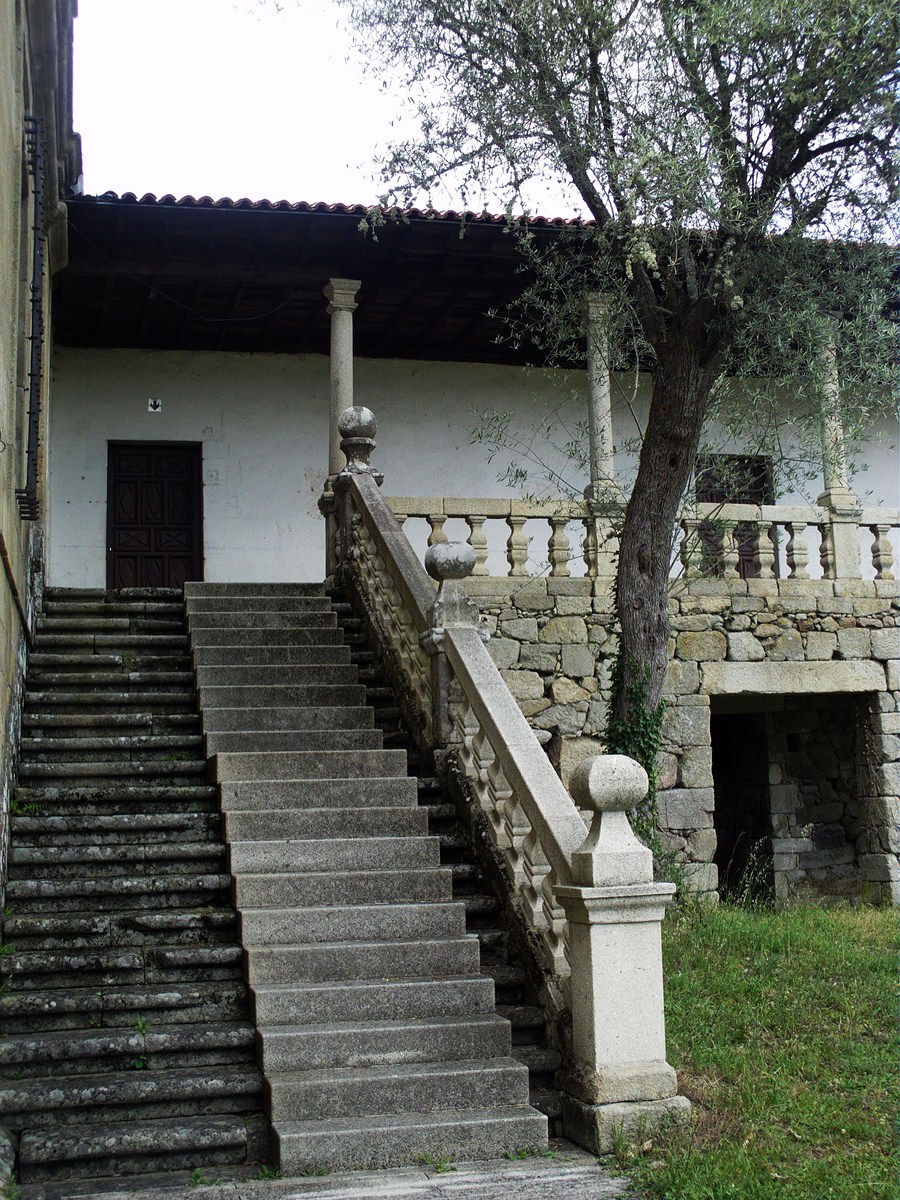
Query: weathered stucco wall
(262, 421)
(780, 648)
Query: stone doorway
(740, 766)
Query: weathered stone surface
(564, 691)
(504, 652)
(686, 726)
(573, 606)
(820, 646)
(702, 647)
(577, 661)
(744, 647)
(702, 845)
(701, 876)
(533, 597)
(854, 643)
(695, 768)
(886, 643)
(682, 678)
(524, 685)
(768, 678)
(531, 708)
(573, 751)
(564, 629)
(539, 658)
(564, 717)
(888, 779)
(523, 628)
(683, 809)
(788, 646)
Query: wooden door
(154, 514)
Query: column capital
(341, 294)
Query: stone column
(840, 554)
(341, 296)
(603, 492)
(618, 1083)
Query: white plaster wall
(262, 421)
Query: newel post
(357, 427)
(448, 563)
(618, 1083)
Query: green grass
(781, 1024)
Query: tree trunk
(681, 388)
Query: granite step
(115, 1007)
(382, 1000)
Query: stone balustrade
(585, 897)
(725, 541)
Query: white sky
(232, 98)
(225, 98)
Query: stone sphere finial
(357, 428)
(357, 422)
(449, 560)
(609, 783)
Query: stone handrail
(588, 897)
(722, 540)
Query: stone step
(122, 1007)
(295, 794)
(115, 796)
(266, 824)
(100, 700)
(249, 695)
(271, 741)
(260, 602)
(119, 680)
(423, 958)
(120, 965)
(87, 606)
(115, 643)
(222, 720)
(282, 675)
(540, 1060)
(196, 590)
(375, 1043)
(92, 724)
(350, 923)
(40, 664)
(81, 930)
(122, 746)
(102, 594)
(332, 854)
(57, 862)
(268, 655)
(340, 887)
(86, 1051)
(166, 770)
(76, 829)
(139, 1148)
(119, 892)
(381, 1000)
(115, 1096)
(392, 1140)
(92, 622)
(261, 620)
(202, 636)
(308, 765)
(404, 1088)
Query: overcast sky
(233, 98)
(225, 98)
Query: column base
(603, 1128)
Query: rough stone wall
(554, 641)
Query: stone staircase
(127, 1047)
(376, 1031)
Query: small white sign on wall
(154, 406)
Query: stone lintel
(768, 678)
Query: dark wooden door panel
(154, 516)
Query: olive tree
(737, 162)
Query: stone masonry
(790, 648)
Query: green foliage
(141, 1025)
(529, 1152)
(267, 1172)
(635, 728)
(437, 1162)
(781, 1026)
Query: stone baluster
(436, 535)
(763, 551)
(797, 551)
(558, 547)
(729, 553)
(478, 541)
(882, 551)
(619, 1083)
(449, 563)
(517, 545)
(690, 551)
(589, 550)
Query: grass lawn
(782, 1026)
